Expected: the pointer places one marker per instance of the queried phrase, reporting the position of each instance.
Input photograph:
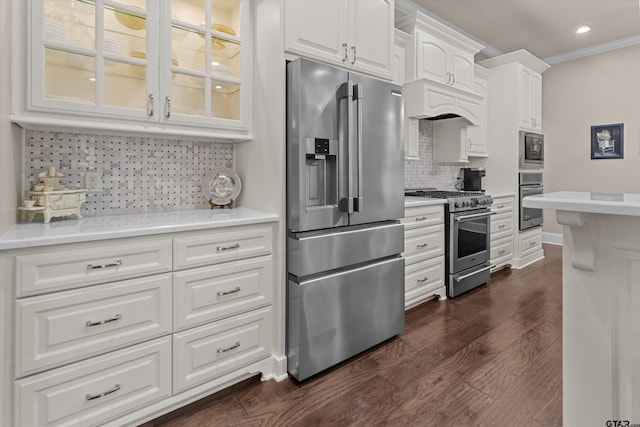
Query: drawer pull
(422, 245)
(232, 291)
(502, 251)
(97, 396)
(424, 279)
(224, 350)
(501, 226)
(227, 248)
(532, 244)
(102, 322)
(500, 206)
(421, 218)
(96, 267)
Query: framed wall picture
(607, 141)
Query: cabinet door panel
(462, 69)
(431, 60)
(371, 35)
(316, 28)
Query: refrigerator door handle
(346, 204)
(358, 95)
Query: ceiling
(546, 28)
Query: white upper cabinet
(356, 34)
(477, 135)
(438, 53)
(173, 67)
(443, 63)
(530, 102)
(397, 62)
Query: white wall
(10, 135)
(595, 90)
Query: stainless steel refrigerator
(345, 195)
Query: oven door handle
(458, 279)
(463, 217)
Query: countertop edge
(10, 239)
(563, 201)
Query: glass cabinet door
(205, 62)
(96, 52)
(182, 64)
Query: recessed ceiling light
(218, 87)
(582, 30)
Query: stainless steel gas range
(467, 237)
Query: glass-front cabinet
(172, 66)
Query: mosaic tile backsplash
(138, 174)
(425, 173)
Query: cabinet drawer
(90, 392)
(220, 246)
(423, 277)
(423, 243)
(66, 326)
(210, 293)
(422, 216)
(501, 225)
(530, 244)
(209, 351)
(501, 249)
(502, 204)
(83, 265)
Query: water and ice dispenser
(322, 172)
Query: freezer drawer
(325, 250)
(334, 317)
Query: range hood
(426, 99)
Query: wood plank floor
(492, 357)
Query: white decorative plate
(222, 186)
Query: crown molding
(593, 50)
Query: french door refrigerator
(345, 195)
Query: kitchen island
(601, 304)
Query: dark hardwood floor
(492, 357)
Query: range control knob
(458, 204)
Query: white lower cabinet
(121, 331)
(65, 326)
(502, 232)
(423, 253)
(93, 391)
(210, 351)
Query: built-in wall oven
(467, 238)
(530, 185)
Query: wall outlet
(92, 180)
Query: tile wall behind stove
(425, 173)
(138, 174)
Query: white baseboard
(552, 238)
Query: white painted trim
(408, 7)
(593, 50)
(552, 238)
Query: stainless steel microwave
(531, 150)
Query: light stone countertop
(127, 225)
(411, 201)
(588, 202)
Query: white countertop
(589, 202)
(130, 225)
(410, 201)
